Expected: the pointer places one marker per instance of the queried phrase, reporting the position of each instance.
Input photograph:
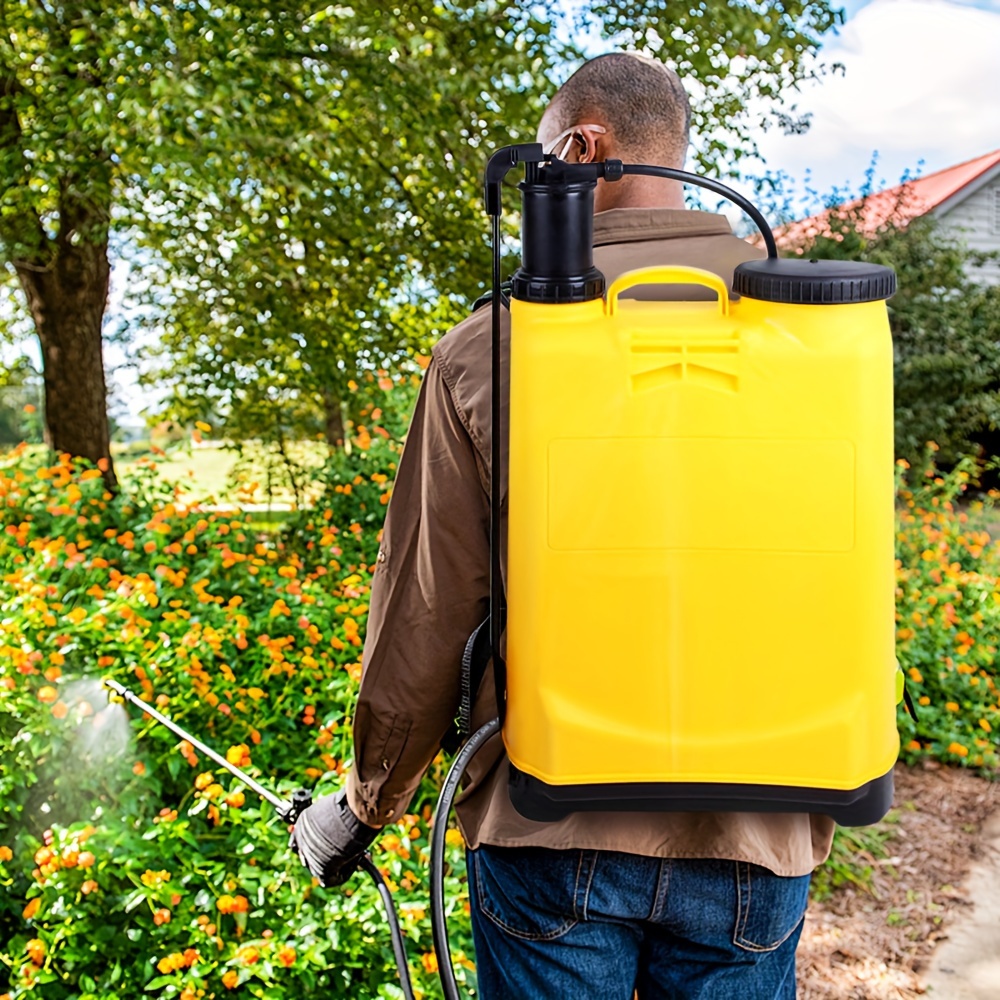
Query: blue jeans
(605, 925)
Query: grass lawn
(210, 471)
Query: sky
(919, 88)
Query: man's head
(623, 106)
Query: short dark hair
(640, 99)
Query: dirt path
(878, 943)
(967, 965)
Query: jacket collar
(631, 225)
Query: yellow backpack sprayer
(725, 468)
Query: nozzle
(117, 697)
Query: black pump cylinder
(557, 238)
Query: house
(964, 199)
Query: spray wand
(288, 810)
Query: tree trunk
(67, 298)
(334, 423)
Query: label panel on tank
(701, 493)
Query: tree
(271, 334)
(325, 142)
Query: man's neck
(638, 192)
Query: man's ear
(593, 140)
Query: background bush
(128, 864)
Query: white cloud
(920, 83)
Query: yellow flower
(152, 879)
(171, 963)
(202, 426)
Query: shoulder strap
(487, 297)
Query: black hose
(672, 174)
(439, 921)
(398, 947)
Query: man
(699, 906)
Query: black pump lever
(500, 163)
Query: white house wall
(976, 220)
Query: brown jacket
(431, 588)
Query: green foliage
(297, 187)
(128, 864)
(948, 619)
(944, 324)
(852, 859)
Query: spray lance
(288, 810)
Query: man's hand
(330, 839)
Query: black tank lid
(814, 282)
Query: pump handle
(668, 275)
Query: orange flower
(161, 916)
(239, 755)
(32, 908)
(88, 887)
(47, 694)
(235, 799)
(230, 979)
(913, 745)
(951, 706)
(86, 859)
(232, 904)
(429, 961)
(6, 854)
(204, 780)
(248, 954)
(957, 748)
(36, 951)
(138, 768)
(985, 726)
(287, 956)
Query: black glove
(330, 839)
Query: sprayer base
(536, 800)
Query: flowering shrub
(948, 619)
(134, 866)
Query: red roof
(898, 204)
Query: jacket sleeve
(429, 591)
